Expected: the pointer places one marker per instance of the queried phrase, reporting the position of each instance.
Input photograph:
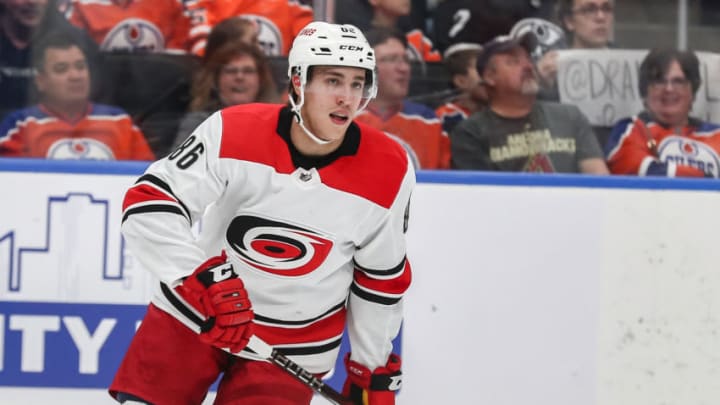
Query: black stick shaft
(309, 379)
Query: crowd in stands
(471, 86)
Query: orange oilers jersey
(644, 147)
(419, 127)
(421, 47)
(278, 21)
(105, 133)
(134, 25)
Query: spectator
(389, 14)
(66, 125)
(236, 73)
(278, 21)
(232, 29)
(23, 23)
(516, 132)
(479, 21)
(460, 61)
(588, 24)
(390, 111)
(134, 25)
(664, 140)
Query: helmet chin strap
(298, 116)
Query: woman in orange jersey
(664, 140)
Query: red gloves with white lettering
(216, 291)
(378, 387)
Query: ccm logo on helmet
(351, 47)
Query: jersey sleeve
(199, 26)
(161, 207)
(381, 277)
(179, 37)
(11, 143)
(628, 152)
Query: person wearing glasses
(588, 24)
(416, 125)
(235, 73)
(664, 140)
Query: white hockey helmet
(326, 44)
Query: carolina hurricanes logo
(276, 247)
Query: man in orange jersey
(414, 123)
(134, 25)
(278, 21)
(66, 125)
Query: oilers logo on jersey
(275, 247)
(269, 36)
(134, 34)
(82, 148)
(685, 151)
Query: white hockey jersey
(317, 241)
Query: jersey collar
(349, 146)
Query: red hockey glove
(378, 387)
(215, 290)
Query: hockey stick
(264, 350)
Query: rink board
(527, 289)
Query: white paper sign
(604, 84)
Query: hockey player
(303, 219)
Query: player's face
(513, 72)
(239, 81)
(591, 23)
(670, 99)
(393, 70)
(332, 97)
(27, 12)
(64, 79)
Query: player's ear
(295, 82)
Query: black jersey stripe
(281, 322)
(152, 208)
(308, 350)
(384, 273)
(163, 185)
(368, 296)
